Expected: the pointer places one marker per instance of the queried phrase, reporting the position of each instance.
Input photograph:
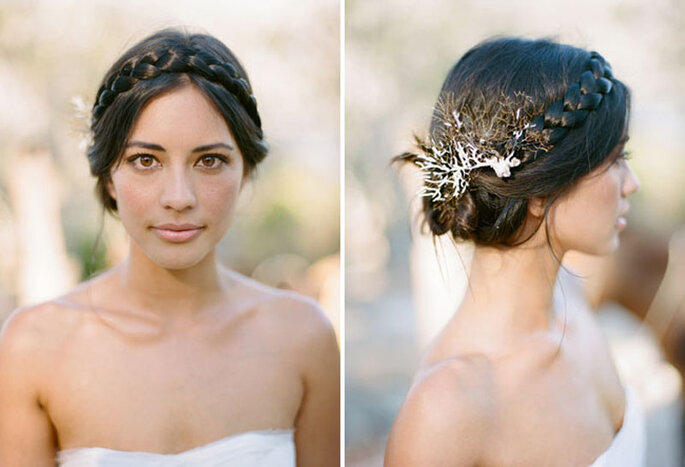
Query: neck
(168, 291)
(513, 288)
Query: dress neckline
(630, 437)
(210, 445)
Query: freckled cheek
(220, 199)
(135, 198)
(607, 197)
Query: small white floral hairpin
(468, 141)
(83, 114)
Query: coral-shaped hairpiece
(473, 137)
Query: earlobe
(110, 188)
(536, 207)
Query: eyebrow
(157, 147)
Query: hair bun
(460, 217)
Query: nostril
(635, 182)
(178, 197)
(631, 183)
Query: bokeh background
(397, 55)
(53, 55)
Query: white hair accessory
(466, 143)
(82, 118)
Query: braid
(525, 119)
(580, 99)
(180, 59)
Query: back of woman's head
(515, 119)
(162, 62)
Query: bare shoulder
(456, 389)
(35, 329)
(448, 414)
(30, 341)
(288, 308)
(46, 326)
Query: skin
(169, 350)
(645, 277)
(517, 378)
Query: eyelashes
(209, 162)
(143, 161)
(624, 156)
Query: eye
(211, 161)
(143, 161)
(622, 158)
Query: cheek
(587, 217)
(133, 197)
(598, 198)
(220, 199)
(604, 198)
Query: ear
(536, 207)
(110, 188)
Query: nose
(178, 193)
(630, 182)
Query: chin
(176, 258)
(613, 245)
(605, 249)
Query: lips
(621, 222)
(177, 233)
(625, 211)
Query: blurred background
(400, 288)
(53, 55)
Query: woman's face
(178, 181)
(590, 217)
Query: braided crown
(580, 99)
(179, 59)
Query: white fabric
(268, 448)
(629, 445)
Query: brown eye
(143, 161)
(211, 162)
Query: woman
(169, 358)
(526, 159)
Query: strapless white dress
(267, 448)
(629, 445)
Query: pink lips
(621, 222)
(177, 233)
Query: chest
(561, 411)
(182, 391)
(566, 426)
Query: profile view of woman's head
(539, 119)
(525, 159)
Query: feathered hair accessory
(472, 137)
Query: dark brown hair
(160, 63)
(580, 107)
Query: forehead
(182, 116)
